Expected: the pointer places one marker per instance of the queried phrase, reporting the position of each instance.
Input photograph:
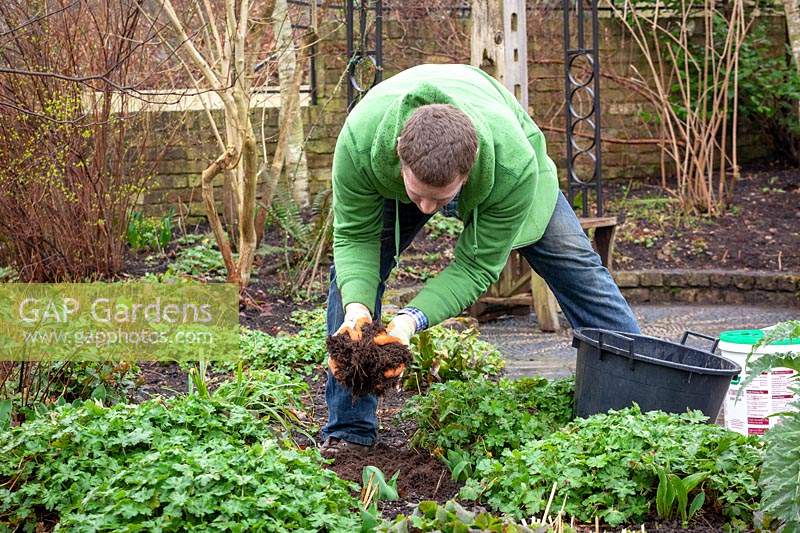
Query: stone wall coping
(183, 100)
(710, 286)
(720, 278)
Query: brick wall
(628, 150)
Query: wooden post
(500, 47)
(499, 43)
(544, 304)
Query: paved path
(528, 351)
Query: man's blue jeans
(563, 257)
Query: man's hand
(399, 331)
(356, 316)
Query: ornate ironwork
(364, 51)
(574, 88)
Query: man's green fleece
(506, 202)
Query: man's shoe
(334, 446)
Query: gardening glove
(356, 316)
(399, 331)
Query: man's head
(437, 150)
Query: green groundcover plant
(199, 257)
(441, 354)
(187, 463)
(607, 466)
(440, 225)
(273, 396)
(48, 384)
(463, 421)
(149, 233)
(432, 517)
(304, 350)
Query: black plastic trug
(616, 369)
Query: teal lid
(750, 337)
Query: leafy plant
(198, 382)
(430, 516)
(272, 396)
(481, 418)
(8, 274)
(304, 350)
(440, 226)
(769, 87)
(185, 463)
(780, 477)
(188, 239)
(30, 389)
(606, 466)
(672, 495)
(460, 464)
(202, 260)
(375, 488)
(149, 232)
(441, 354)
(780, 332)
(285, 213)
(305, 242)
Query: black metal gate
(580, 56)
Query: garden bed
(453, 437)
(759, 232)
(449, 441)
(422, 477)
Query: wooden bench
(519, 285)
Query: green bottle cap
(751, 336)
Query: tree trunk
(295, 167)
(792, 9)
(276, 168)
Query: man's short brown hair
(438, 144)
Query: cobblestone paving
(528, 351)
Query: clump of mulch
(360, 364)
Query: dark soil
(422, 476)
(760, 231)
(360, 365)
(167, 379)
(704, 521)
(159, 378)
(268, 311)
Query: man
(430, 136)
